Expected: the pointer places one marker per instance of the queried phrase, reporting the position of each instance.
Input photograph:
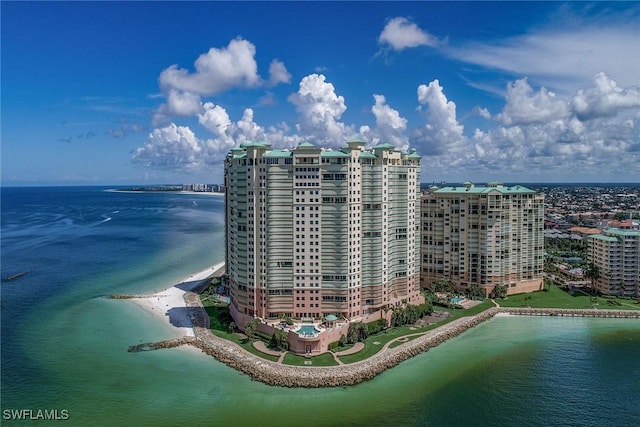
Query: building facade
(616, 254)
(483, 236)
(314, 232)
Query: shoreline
(192, 193)
(169, 304)
(180, 306)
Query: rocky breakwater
(130, 296)
(177, 342)
(524, 311)
(311, 377)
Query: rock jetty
(328, 376)
(277, 374)
(130, 296)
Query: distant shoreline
(192, 193)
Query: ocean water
(64, 345)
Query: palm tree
(500, 291)
(251, 327)
(621, 288)
(593, 273)
(444, 285)
(475, 291)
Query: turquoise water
(307, 330)
(64, 344)
(456, 300)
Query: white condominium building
(484, 236)
(314, 232)
(616, 253)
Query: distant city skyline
(159, 92)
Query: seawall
(277, 374)
(568, 312)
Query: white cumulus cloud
(320, 110)
(524, 106)
(278, 73)
(605, 98)
(171, 148)
(400, 33)
(595, 133)
(442, 134)
(216, 71)
(390, 126)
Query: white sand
(169, 304)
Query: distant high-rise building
(616, 254)
(484, 236)
(314, 232)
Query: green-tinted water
(508, 371)
(64, 346)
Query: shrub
(376, 326)
(357, 332)
(410, 314)
(279, 340)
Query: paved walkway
(259, 345)
(356, 348)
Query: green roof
(246, 144)
(306, 145)
(367, 155)
(517, 189)
(415, 156)
(334, 154)
(279, 153)
(603, 237)
(619, 232)
(384, 146)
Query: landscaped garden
(222, 325)
(556, 297)
(375, 343)
(375, 337)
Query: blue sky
(158, 92)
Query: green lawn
(219, 319)
(556, 297)
(374, 344)
(325, 359)
(553, 298)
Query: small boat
(14, 276)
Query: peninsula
(180, 306)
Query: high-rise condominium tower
(616, 254)
(483, 236)
(314, 232)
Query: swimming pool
(456, 300)
(307, 331)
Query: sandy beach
(169, 304)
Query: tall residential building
(616, 253)
(484, 236)
(314, 232)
